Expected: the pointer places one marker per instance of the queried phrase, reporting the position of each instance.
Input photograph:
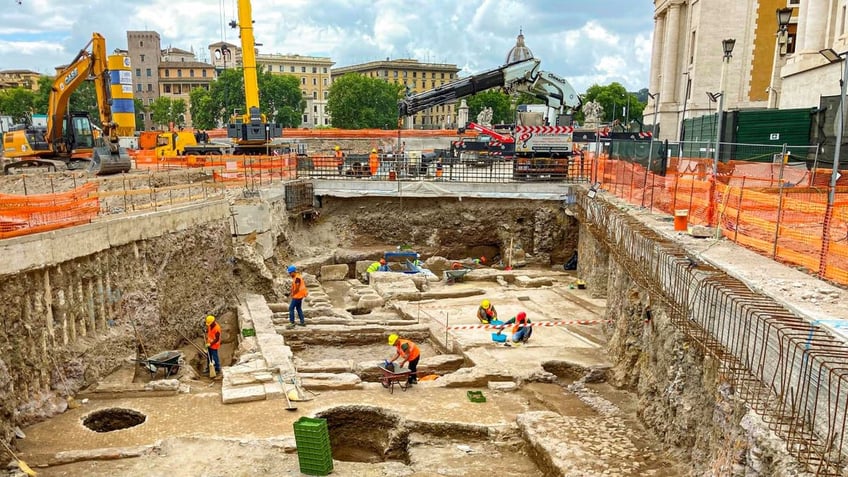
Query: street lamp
(784, 15)
(727, 46)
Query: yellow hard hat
(392, 338)
(373, 150)
(293, 396)
(209, 319)
(337, 148)
(485, 304)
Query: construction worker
(374, 162)
(486, 313)
(409, 352)
(521, 330)
(213, 341)
(339, 155)
(298, 293)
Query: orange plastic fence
(791, 223)
(332, 133)
(27, 214)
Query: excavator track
(19, 167)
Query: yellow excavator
(69, 141)
(251, 132)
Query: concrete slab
(334, 272)
(273, 390)
(328, 381)
(237, 394)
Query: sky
(585, 41)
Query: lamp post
(727, 46)
(784, 15)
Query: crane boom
(522, 76)
(248, 54)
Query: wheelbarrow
(170, 361)
(456, 276)
(394, 375)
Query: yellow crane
(251, 131)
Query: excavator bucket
(105, 162)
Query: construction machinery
(185, 143)
(251, 132)
(69, 141)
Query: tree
(166, 111)
(280, 98)
(202, 114)
(17, 103)
(499, 102)
(356, 102)
(614, 99)
(83, 100)
(140, 109)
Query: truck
(69, 140)
(185, 143)
(537, 153)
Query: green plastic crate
(310, 424)
(476, 396)
(312, 438)
(248, 332)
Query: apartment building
(416, 76)
(19, 79)
(145, 50)
(179, 73)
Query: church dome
(519, 52)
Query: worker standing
(521, 330)
(298, 293)
(487, 313)
(213, 341)
(374, 162)
(410, 353)
(339, 155)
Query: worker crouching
(521, 329)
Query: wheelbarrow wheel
(385, 382)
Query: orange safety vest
(413, 353)
(213, 335)
(339, 157)
(298, 288)
(374, 162)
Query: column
(815, 24)
(669, 67)
(657, 53)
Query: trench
(96, 317)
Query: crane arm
(503, 138)
(248, 52)
(522, 76)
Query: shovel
(288, 401)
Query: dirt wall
(682, 398)
(451, 228)
(66, 326)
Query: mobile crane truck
(68, 141)
(538, 152)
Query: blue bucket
(498, 338)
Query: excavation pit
(113, 419)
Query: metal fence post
(779, 202)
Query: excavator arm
(522, 76)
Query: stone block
(334, 272)
(504, 386)
(236, 394)
(250, 218)
(394, 285)
(265, 244)
(163, 385)
(440, 364)
(273, 390)
(700, 231)
(263, 376)
(369, 302)
(330, 381)
(327, 366)
(362, 265)
(351, 256)
(523, 281)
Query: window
(203, 73)
(325, 70)
(167, 88)
(149, 87)
(404, 74)
(314, 95)
(314, 69)
(326, 95)
(150, 101)
(191, 73)
(443, 76)
(138, 72)
(303, 80)
(326, 121)
(314, 81)
(149, 73)
(414, 74)
(315, 108)
(433, 84)
(282, 68)
(394, 74)
(305, 118)
(138, 87)
(142, 58)
(794, 2)
(141, 44)
(842, 24)
(325, 81)
(167, 73)
(291, 69)
(179, 73)
(303, 69)
(692, 47)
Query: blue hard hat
(291, 269)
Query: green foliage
(527, 98)
(357, 102)
(140, 109)
(614, 99)
(201, 109)
(166, 111)
(499, 102)
(42, 96)
(83, 100)
(280, 98)
(17, 103)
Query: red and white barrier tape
(541, 323)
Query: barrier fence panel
(21, 215)
(777, 207)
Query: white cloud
(595, 42)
